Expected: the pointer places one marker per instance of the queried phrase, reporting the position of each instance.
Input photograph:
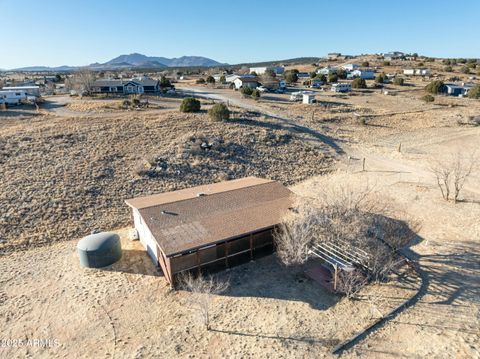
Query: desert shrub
(380, 79)
(462, 61)
(386, 63)
(428, 98)
(421, 64)
(435, 87)
(256, 94)
(365, 64)
(332, 77)
(247, 91)
(342, 74)
(399, 81)
(200, 81)
(465, 70)
(321, 77)
(448, 69)
(219, 112)
(223, 79)
(474, 92)
(359, 83)
(313, 74)
(190, 104)
(210, 80)
(472, 65)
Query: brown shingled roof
(182, 221)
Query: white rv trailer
(15, 97)
(31, 90)
(342, 87)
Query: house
(138, 85)
(458, 90)
(366, 74)
(303, 75)
(30, 90)
(350, 67)
(417, 72)
(274, 84)
(341, 87)
(393, 55)
(278, 70)
(333, 55)
(243, 81)
(327, 70)
(210, 226)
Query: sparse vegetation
(190, 104)
(474, 92)
(291, 76)
(332, 78)
(219, 112)
(399, 81)
(200, 81)
(380, 79)
(201, 291)
(448, 69)
(211, 80)
(365, 64)
(428, 98)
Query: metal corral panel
(99, 250)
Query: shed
(99, 250)
(308, 98)
(211, 225)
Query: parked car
(262, 89)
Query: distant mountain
(45, 68)
(134, 60)
(137, 60)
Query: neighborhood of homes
(14, 94)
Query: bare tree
(202, 290)
(81, 81)
(349, 217)
(452, 172)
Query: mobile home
(341, 87)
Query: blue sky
(58, 32)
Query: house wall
(223, 253)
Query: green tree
(365, 64)
(219, 112)
(380, 79)
(190, 104)
(291, 76)
(435, 87)
(270, 73)
(321, 77)
(342, 74)
(200, 81)
(399, 81)
(255, 94)
(164, 82)
(386, 63)
(359, 83)
(448, 68)
(332, 77)
(247, 91)
(223, 79)
(313, 74)
(211, 80)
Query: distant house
(341, 87)
(303, 75)
(333, 55)
(327, 70)
(458, 90)
(274, 84)
(278, 70)
(137, 85)
(350, 67)
(246, 82)
(393, 55)
(366, 74)
(417, 72)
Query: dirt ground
(55, 188)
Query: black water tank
(99, 250)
